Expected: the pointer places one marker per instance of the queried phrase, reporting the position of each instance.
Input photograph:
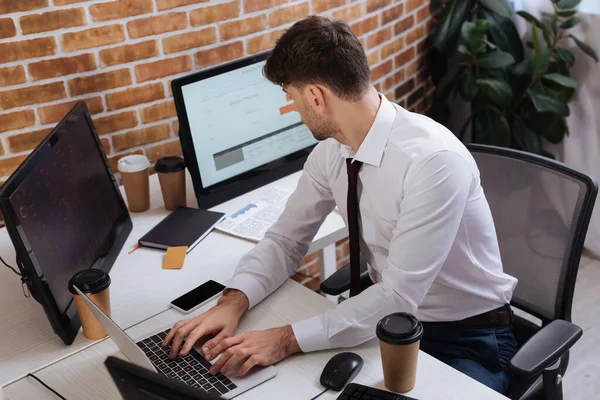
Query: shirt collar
(373, 145)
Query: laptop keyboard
(191, 369)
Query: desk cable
(319, 394)
(23, 279)
(46, 386)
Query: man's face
(321, 127)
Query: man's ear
(316, 96)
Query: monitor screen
(238, 121)
(66, 207)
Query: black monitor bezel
(65, 324)
(218, 193)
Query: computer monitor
(137, 383)
(64, 213)
(238, 130)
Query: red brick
(285, 15)
(27, 141)
(391, 96)
(404, 25)
(114, 161)
(22, 50)
(189, 40)
(162, 68)
(116, 122)
(405, 57)
(392, 48)
(52, 20)
(141, 136)
(7, 28)
(377, 86)
(416, 97)
(120, 9)
(64, 2)
(382, 70)
(405, 89)
(263, 42)
(374, 5)
(256, 5)
(61, 66)
(366, 25)
(412, 5)
(56, 112)
(9, 165)
(219, 54)
(94, 37)
(242, 27)
(158, 111)
(135, 96)
(399, 77)
(156, 25)
(99, 82)
(32, 95)
(379, 37)
(11, 6)
(322, 5)
(349, 13)
(423, 14)
(313, 284)
(129, 52)
(415, 34)
(16, 120)
(373, 57)
(172, 148)
(216, 13)
(169, 4)
(176, 127)
(392, 14)
(412, 68)
(105, 145)
(12, 75)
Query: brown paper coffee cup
(399, 339)
(135, 178)
(171, 174)
(94, 284)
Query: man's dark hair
(319, 50)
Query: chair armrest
(339, 281)
(545, 348)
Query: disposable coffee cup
(95, 284)
(399, 339)
(171, 174)
(135, 177)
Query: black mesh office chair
(541, 211)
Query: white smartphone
(197, 297)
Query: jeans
(481, 353)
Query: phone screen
(198, 295)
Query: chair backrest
(541, 210)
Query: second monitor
(238, 131)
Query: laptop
(137, 383)
(192, 370)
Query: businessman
(425, 228)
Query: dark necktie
(353, 168)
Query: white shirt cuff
(310, 334)
(248, 285)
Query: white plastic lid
(133, 163)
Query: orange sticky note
(175, 257)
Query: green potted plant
(516, 97)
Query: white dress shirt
(427, 232)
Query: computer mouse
(341, 369)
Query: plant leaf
(505, 35)
(449, 25)
(462, 49)
(533, 20)
(566, 13)
(542, 54)
(525, 67)
(468, 90)
(566, 56)
(527, 139)
(495, 60)
(491, 128)
(499, 92)
(544, 103)
(500, 7)
(491, 45)
(562, 80)
(585, 48)
(567, 4)
(570, 23)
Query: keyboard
(359, 392)
(191, 369)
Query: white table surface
(83, 375)
(140, 287)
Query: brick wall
(120, 57)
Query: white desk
(140, 287)
(83, 375)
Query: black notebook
(183, 227)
